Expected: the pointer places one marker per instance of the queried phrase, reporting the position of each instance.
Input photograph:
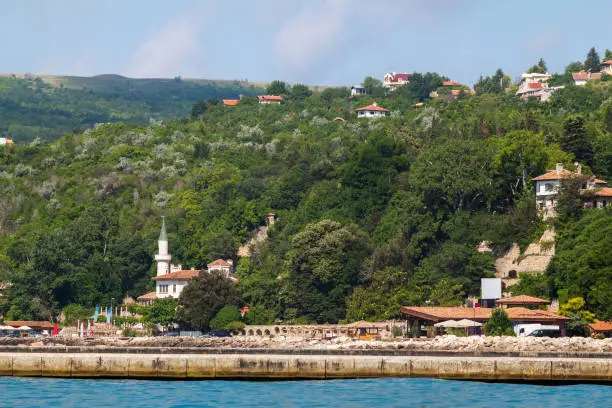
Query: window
(173, 288)
(549, 187)
(163, 288)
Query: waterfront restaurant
(420, 320)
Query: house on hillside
(394, 80)
(357, 90)
(231, 102)
(450, 83)
(372, 111)
(270, 99)
(172, 279)
(535, 85)
(606, 67)
(5, 141)
(595, 194)
(582, 77)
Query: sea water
(46, 392)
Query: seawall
(290, 366)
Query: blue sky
(324, 42)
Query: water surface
(410, 392)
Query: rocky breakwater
(483, 358)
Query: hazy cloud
(313, 34)
(169, 51)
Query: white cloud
(313, 34)
(170, 51)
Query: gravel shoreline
(442, 343)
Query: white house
(269, 99)
(547, 188)
(393, 80)
(582, 77)
(357, 90)
(172, 279)
(5, 141)
(372, 111)
(535, 85)
(606, 67)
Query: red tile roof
(608, 62)
(449, 83)
(29, 323)
(522, 300)
(231, 102)
(601, 326)
(148, 296)
(585, 76)
(438, 313)
(373, 107)
(218, 263)
(535, 85)
(554, 175)
(604, 192)
(455, 92)
(270, 98)
(180, 275)
(396, 77)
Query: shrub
(226, 316)
(499, 324)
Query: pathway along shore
(173, 363)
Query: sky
(315, 42)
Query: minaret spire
(163, 257)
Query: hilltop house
(595, 195)
(357, 90)
(535, 85)
(172, 279)
(372, 111)
(582, 77)
(270, 99)
(606, 67)
(231, 102)
(393, 80)
(5, 141)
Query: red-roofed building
(535, 85)
(270, 99)
(450, 83)
(419, 318)
(582, 77)
(548, 184)
(606, 67)
(5, 141)
(393, 80)
(231, 102)
(601, 327)
(372, 111)
(172, 279)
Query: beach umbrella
(468, 323)
(24, 328)
(6, 327)
(447, 323)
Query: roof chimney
(578, 168)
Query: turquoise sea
(45, 392)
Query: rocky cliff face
(535, 259)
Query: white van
(536, 330)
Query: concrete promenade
(269, 364)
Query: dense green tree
(575, 66)
(323, 264)
(299, 92)
(225, 316)
(592, 61)
(277, 88)
(576, 140)
(579, 317)
(540, 68)
(162, 312)
(499, 324)
(203, 298)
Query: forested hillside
(372, 214)
(48, 107)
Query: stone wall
(535, 259)
(270, 366)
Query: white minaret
(163, 257)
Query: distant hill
(48, 106)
